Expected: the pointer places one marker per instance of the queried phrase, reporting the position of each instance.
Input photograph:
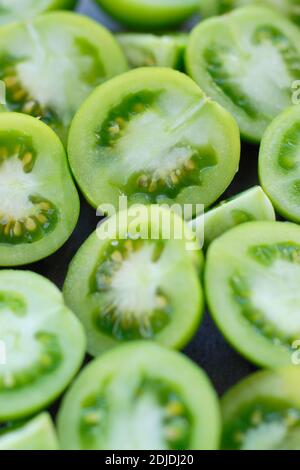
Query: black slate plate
(208, 348)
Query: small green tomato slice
(290, 8)
(37, 434)
(124, 287)
(152, 135)
(140, 397)
(149, 50)
(149, 14)
(252, 278)
(42, 344)
(252, 204)
(51, 63)
(262, 412)
(247, 61)
(19, 10)
(279, 163)
(39, 204)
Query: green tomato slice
(39, 204)
(37, 434)
(37, 338)
(252, 277)
(140, 397)
(147, 14)
(19, 10)
(152, 135)
(262, 412)
(227, 55)
(290, 8)
(124, 287)
(51, 63)
(279, 163)
(249, 205)
(149, 50)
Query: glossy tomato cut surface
(152, 135)
(19, 10)
(290, 8)
(140, 397)
(262, 412)
(36, 434)
(252, 276)
(39, 204)
(39, 333)
(51, 63)
(247, 61)
(126, 288)
(147, 14)
(279, 159)
(252, 204)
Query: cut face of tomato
(150, 14)
(247, 61)
(37, 434)
(290, 8)
(249, 205)
(149, 50)
(51, 63)
(37, 334)
(19, 10)
(279, 160)
(39, 204)
(262, 412)
(252, 276)
(140, 397)
(152, 135)
(127, 288)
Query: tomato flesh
(252, 274)
(153, 136)
(148, 397)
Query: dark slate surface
(208, 348)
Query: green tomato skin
(37, 434)
(149, 14)
(122, 368)
(275, 389)
(278, 163)
(32, 9)
(96, 57)
(252, 204)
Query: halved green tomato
(262, 412)
(147, 14)
(37, 434)
(279, 163)
(252, 278)
(42, 343)
(50, 65)
(149, 50)
(290, 8)
(151, 134)
(39, 204)
(249, 205)
(18, 10)
(247, 61)
(125, 285)
(140, 396)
